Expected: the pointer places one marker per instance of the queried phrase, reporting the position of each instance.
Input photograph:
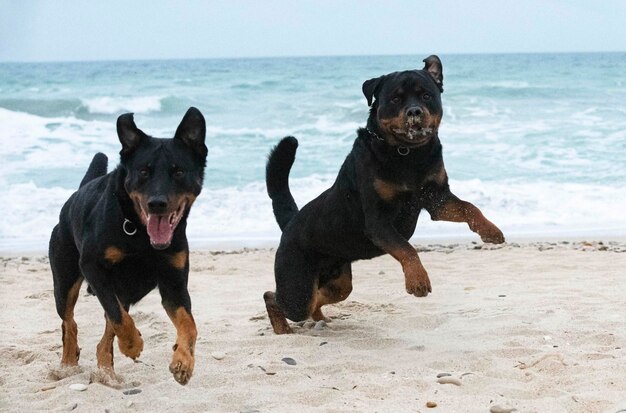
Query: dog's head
(163, 176)
(406, 106)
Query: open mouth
(161, 227)
(414, 136)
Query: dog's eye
(426, 96)
(179, 173)
(396, 99)
(144, 172)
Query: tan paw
(131, 346)
(492, 234)
(417, 283)
(107, 377)
(182, 364)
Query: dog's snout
(414, 111)
(157, 204)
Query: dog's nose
(414, 111)
(157, 204)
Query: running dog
(124, 233)
(395, 170)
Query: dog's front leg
(445, 206)
(177, 304)
(380, 230)
(129, 338)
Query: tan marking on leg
(457, 210)
(104, 350)
(128, 337)
(71, 351)
(333, 292)
(179, 260)
(114, 255)
(416, 278)
(183, 360)
(275, 314)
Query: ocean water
(537, 141)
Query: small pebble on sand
(431, 404)
(500, 409)
(218, 355)
(131, 392)
(289, 361)
(449, 380)
(78, 387)
(269, 370)
(320, 325)
(71, 407)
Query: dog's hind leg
(296, 285)
(67, 281)
(69, 328)
(333, 291)
(275, 314)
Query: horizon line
(155, 59)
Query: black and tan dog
(395, 169)
(124, 233)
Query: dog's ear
(192, 131)
(433, 65)
(371, 88)
(130, 136)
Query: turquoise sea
(537, 141)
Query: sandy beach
(537, 327)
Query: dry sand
(539, 327)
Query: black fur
(90, 242)
(395, 170)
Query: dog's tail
(97, 168)
(279, 164)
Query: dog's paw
(107, 377)
(418, 284)
(182, 364)
(492, 234)
(131, 346)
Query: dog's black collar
(128, 227)
(402, 150)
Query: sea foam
(114, 105)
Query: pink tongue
(159, 229)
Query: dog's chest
(136, 275)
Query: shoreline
(263, 243)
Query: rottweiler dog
(395, 170)
(124, 233)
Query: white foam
(60, 142)
(109, 105)
(243, 215)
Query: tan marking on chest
(114, 255)
(388, 190)
(179, 260)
